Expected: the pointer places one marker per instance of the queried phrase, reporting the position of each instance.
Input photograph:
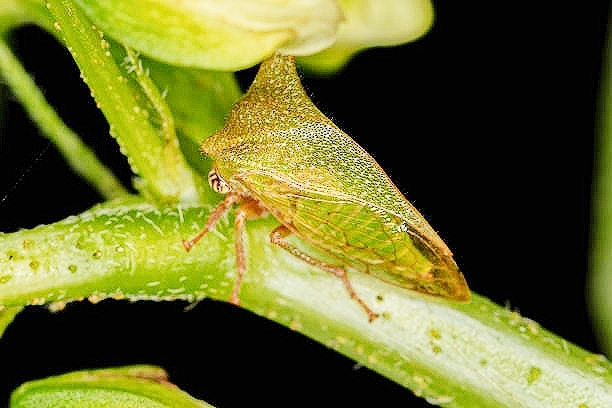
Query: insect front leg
(277, 237)
(227, 203)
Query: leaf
(125, 387)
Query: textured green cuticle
(102, 253)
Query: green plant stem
(80, 158)
(601, 240)
(479, 354)
(156, 99)
(14, 13)
(165, 176)
(7, 315)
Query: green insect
(279, 154)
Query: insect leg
(226, 204)
(248, 210)
(239, 237)
(278, 235)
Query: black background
(487, 124)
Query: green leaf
(125, 387)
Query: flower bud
(217, 34)
(373, 24)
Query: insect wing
(362, 236)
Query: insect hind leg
(277, 237)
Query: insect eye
(217, 183)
